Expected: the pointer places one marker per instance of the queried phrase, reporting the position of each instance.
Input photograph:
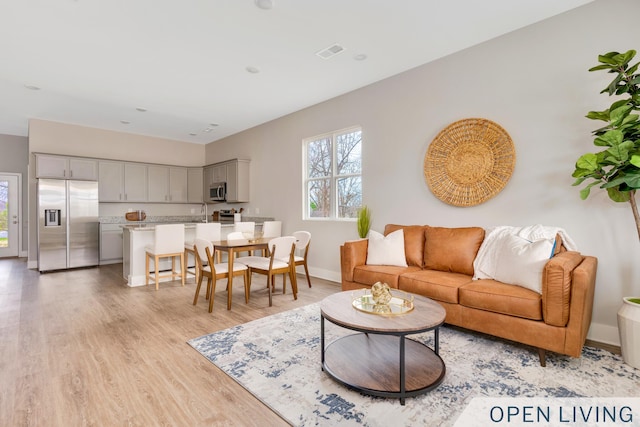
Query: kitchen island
(134, 239)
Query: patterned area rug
(277, 359)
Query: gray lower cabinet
(110, 243)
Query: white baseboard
(604, 334)
(320, 273)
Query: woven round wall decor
(469, 162)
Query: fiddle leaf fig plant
(364, 221)
(616, 168)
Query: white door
(9, 220)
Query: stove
(226, 216)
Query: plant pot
(629, 330)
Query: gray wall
(533, 82)
(14, 158)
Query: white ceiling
(185, 61)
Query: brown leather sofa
(440, 267)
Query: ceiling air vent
(330, 51)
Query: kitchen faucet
(203, 209)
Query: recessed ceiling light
(253, 70)
(193, 134)
(264, 4)
(213, 124)
(125, 122)
(330, 51)
(141, 109)
(32, 87)
(360, 56)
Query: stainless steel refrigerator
(68, 224)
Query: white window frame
(333, 178)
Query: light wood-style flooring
(81, 348)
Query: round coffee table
(379, 360)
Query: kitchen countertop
(148, 226)
(186, 219)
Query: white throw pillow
(386, 250)
(521, 262)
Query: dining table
(238, 245)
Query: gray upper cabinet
(135, 182)
(111, 181)
(219, 173)
(238, 181)
(167, 184)
(195, 180)
(158, 184)
(122, 182)
(51, 166)
(235, 173)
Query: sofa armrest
(582, 295)
(557, 279)
(352, 254)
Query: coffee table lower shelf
(372, 364)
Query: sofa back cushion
(452, 249)
(413, 242)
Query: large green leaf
(635, 160)
(624, 58)
(611, 89)
(600, 67)
(620, 152)
(599, 115)
(607, 58)
(628, 180)
(580, 179)
(620, 113)
(584, 193)
(581, 174)
(617, 195)
(631, 119)
(588, 162)
(609, 139)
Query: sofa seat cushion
(434, 284)
(370, 274)
(498, 297)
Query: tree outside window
(333, 175)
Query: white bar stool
(169, 243)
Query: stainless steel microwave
(218, 192)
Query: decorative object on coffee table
(469, 162)
(381, 300)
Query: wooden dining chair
(303, 239)
(208, 231)
(214, 272)
(271, 229)
(279, 261)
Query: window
(333, 175)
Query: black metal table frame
(402, 394)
